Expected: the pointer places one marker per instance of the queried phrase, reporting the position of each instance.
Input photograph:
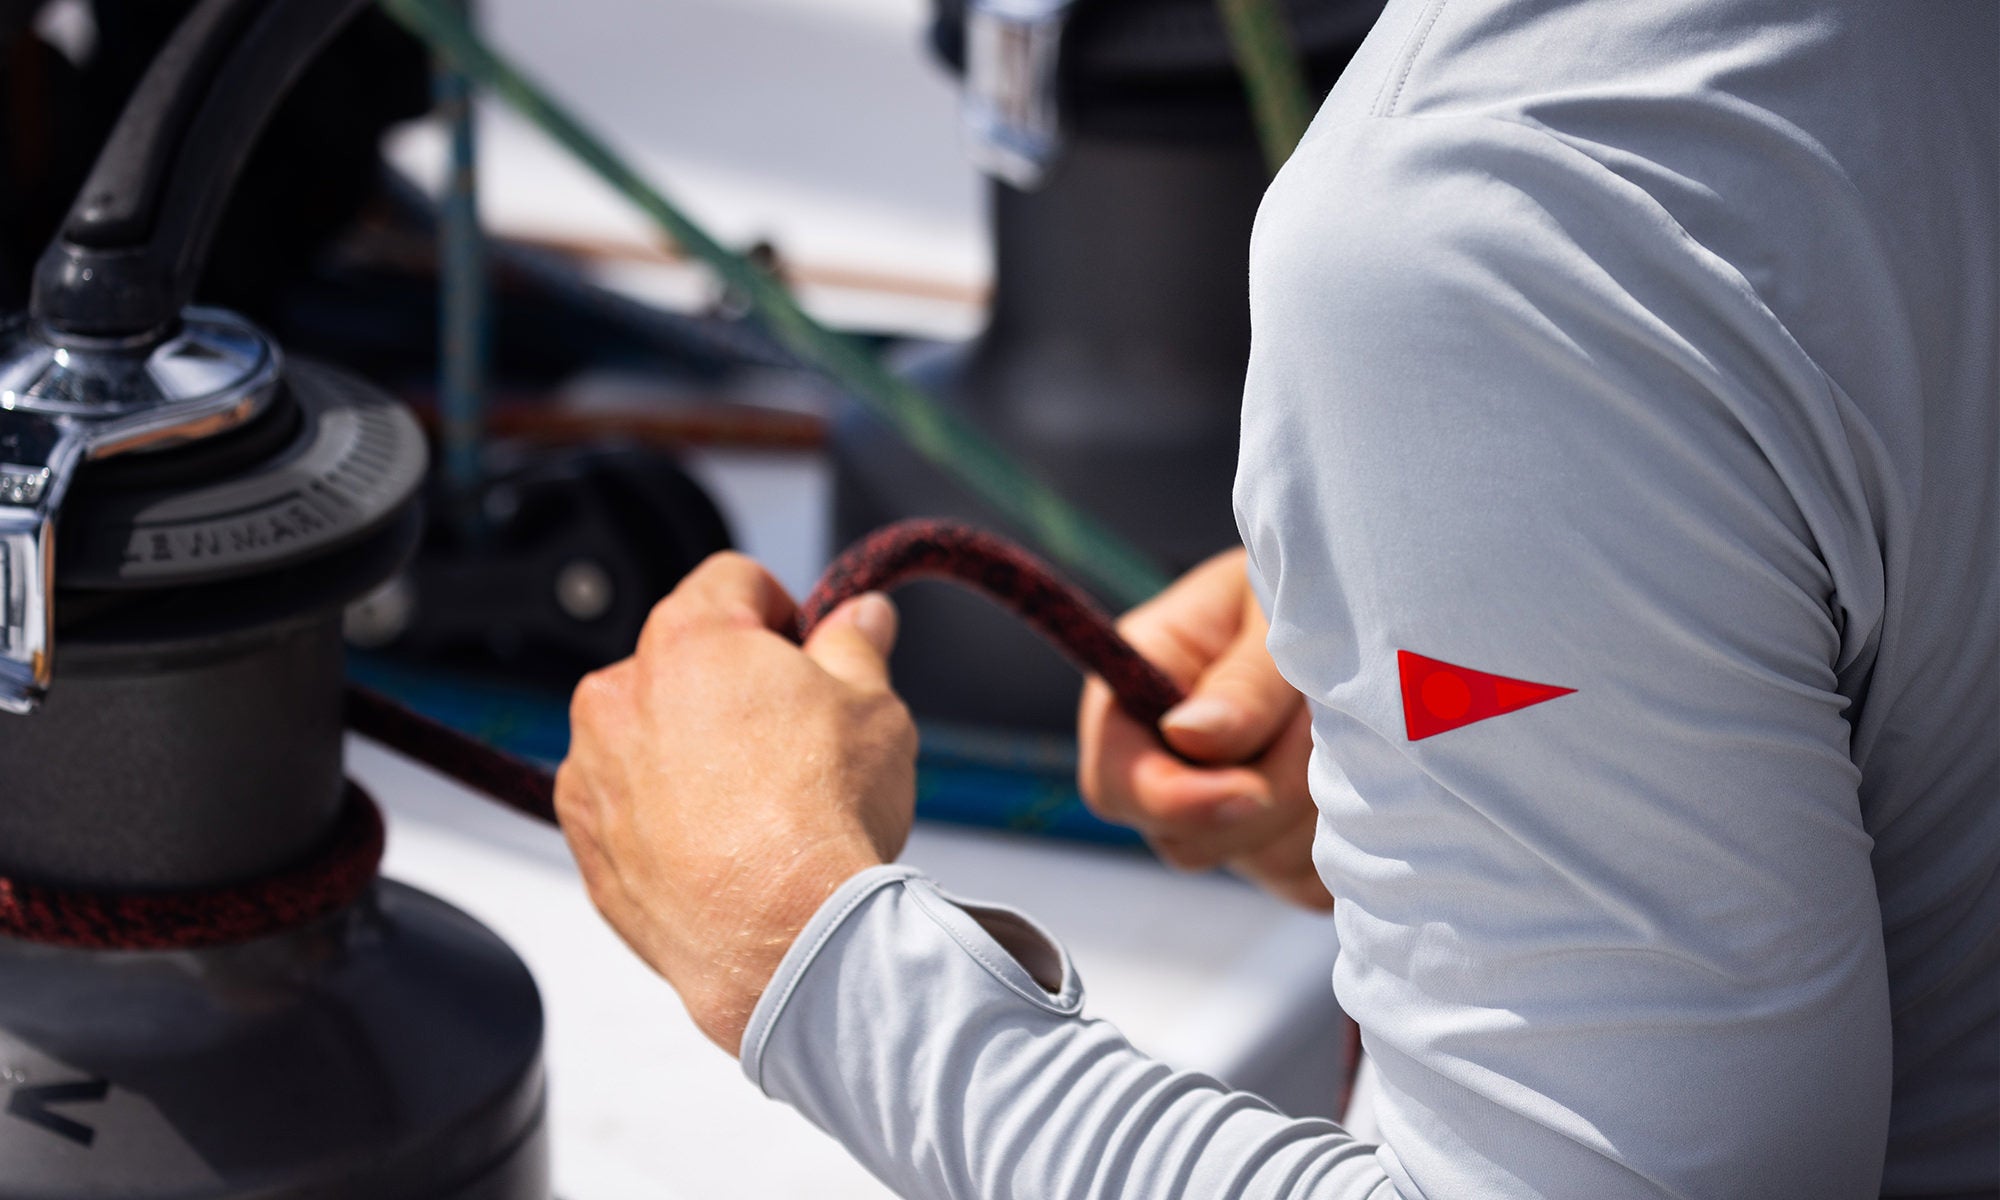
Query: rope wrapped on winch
(337, 874)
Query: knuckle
(1107, 800)
(1087, 788)
(585, 700)
(594, 694)
(1160, 807)
(1138, 622)
(1089, 791)
(1111, 790)
(892, 718)
(1091, 704)
(723, 564)
(1258, 687)
(664, 624)
(728, 572)
(569, 794)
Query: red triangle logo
(1441, 696)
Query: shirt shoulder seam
(1407, 60)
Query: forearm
(904, 1028)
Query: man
(1619, 466)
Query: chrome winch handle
(38, 455)
(213, 374)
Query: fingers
(1281, 863)
(728, 589)
(1184, 628)
(603, 704)
(1132, 779)
(1258, 818)
(1243, 723)
(1127, 776)
(853, 643)
(1208, 632)
(601, 701)
(1240, 704)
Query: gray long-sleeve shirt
(1645, 350)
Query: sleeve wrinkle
(897, 1028)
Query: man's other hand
(722, 782)
(1251, 811)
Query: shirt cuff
(940, 1042)
(896, 912)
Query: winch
(1125, 176)
(215, 998)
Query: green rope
(1269, 64)
(1064, 533)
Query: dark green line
(1065, 534)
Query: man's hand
(722, 782)
(1252, 812)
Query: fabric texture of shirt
(1639, 349)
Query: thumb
(852, 644)
(1237, 709)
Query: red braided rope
(333, 877)
(1013, 578)
(337, 874)
(893, 555)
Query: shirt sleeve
(941, 1043)
(1503, 413)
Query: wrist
(768, 918)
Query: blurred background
(1049, 236)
